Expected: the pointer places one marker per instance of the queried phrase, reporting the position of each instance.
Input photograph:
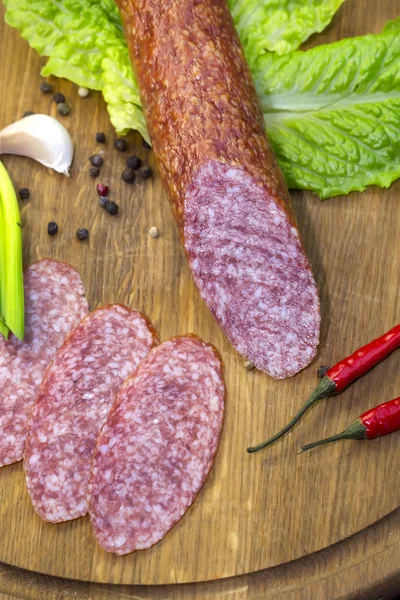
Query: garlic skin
(42, 138)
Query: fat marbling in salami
(73, 403)
(226, 189)
(54, 303)
(157, 446)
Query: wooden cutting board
(255, 511)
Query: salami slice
(157, 446)
(54, 304)
(226, 190)
(73, 403)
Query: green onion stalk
(11, 273)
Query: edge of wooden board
(365, 565)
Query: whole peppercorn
(52, 228)
(322, 371)
(28, 113)
(121, 145)
(145, 172)
(248, 365)
(102, 189)
(133, 162)
(100, 137)
(94, 171)
(83, 92)
(24, 193)
(145, 144)
(96, 160)
(63, 108)
(45, 87)
(128, 175)
(103, 201)
(111, 207)
(58, 98)
(82, 234)
(154, 233)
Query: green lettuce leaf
(279, 25)
(333, 113)
(85, 42)
(73, 33)
(392, 26)
(120, 91)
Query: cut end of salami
(54, 303)
(73, 404)
(251, 270)
(158, 445)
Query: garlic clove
(42, 138)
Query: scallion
(11, 274)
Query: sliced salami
(158, 445)
(73, 403)
(54, 304)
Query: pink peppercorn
(102, 189)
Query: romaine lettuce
(73, 33)
(121, 92)
(86, 44)
(333, 113)
(392, 25)
(279, 25)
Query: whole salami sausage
(225, 187)
(157, 446)
(54, 303)
(73, 403)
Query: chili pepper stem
(355, 431)
(325, 388)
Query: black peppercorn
(82, 234)
(96, 160)
(111, 207)
(100, 137)
(58, 98)
(45, 87)
(52, 228)
(133, 162)
(94, 171)
(121, 145)
(103, 201)
(63, 109)
(145, 144)
(28, 113)
(322, 371)
(24, 193)
(128, 175)
(145, 172)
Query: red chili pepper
(376, 422)
(343, 374)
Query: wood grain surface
(255, 513)
(364, 567)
